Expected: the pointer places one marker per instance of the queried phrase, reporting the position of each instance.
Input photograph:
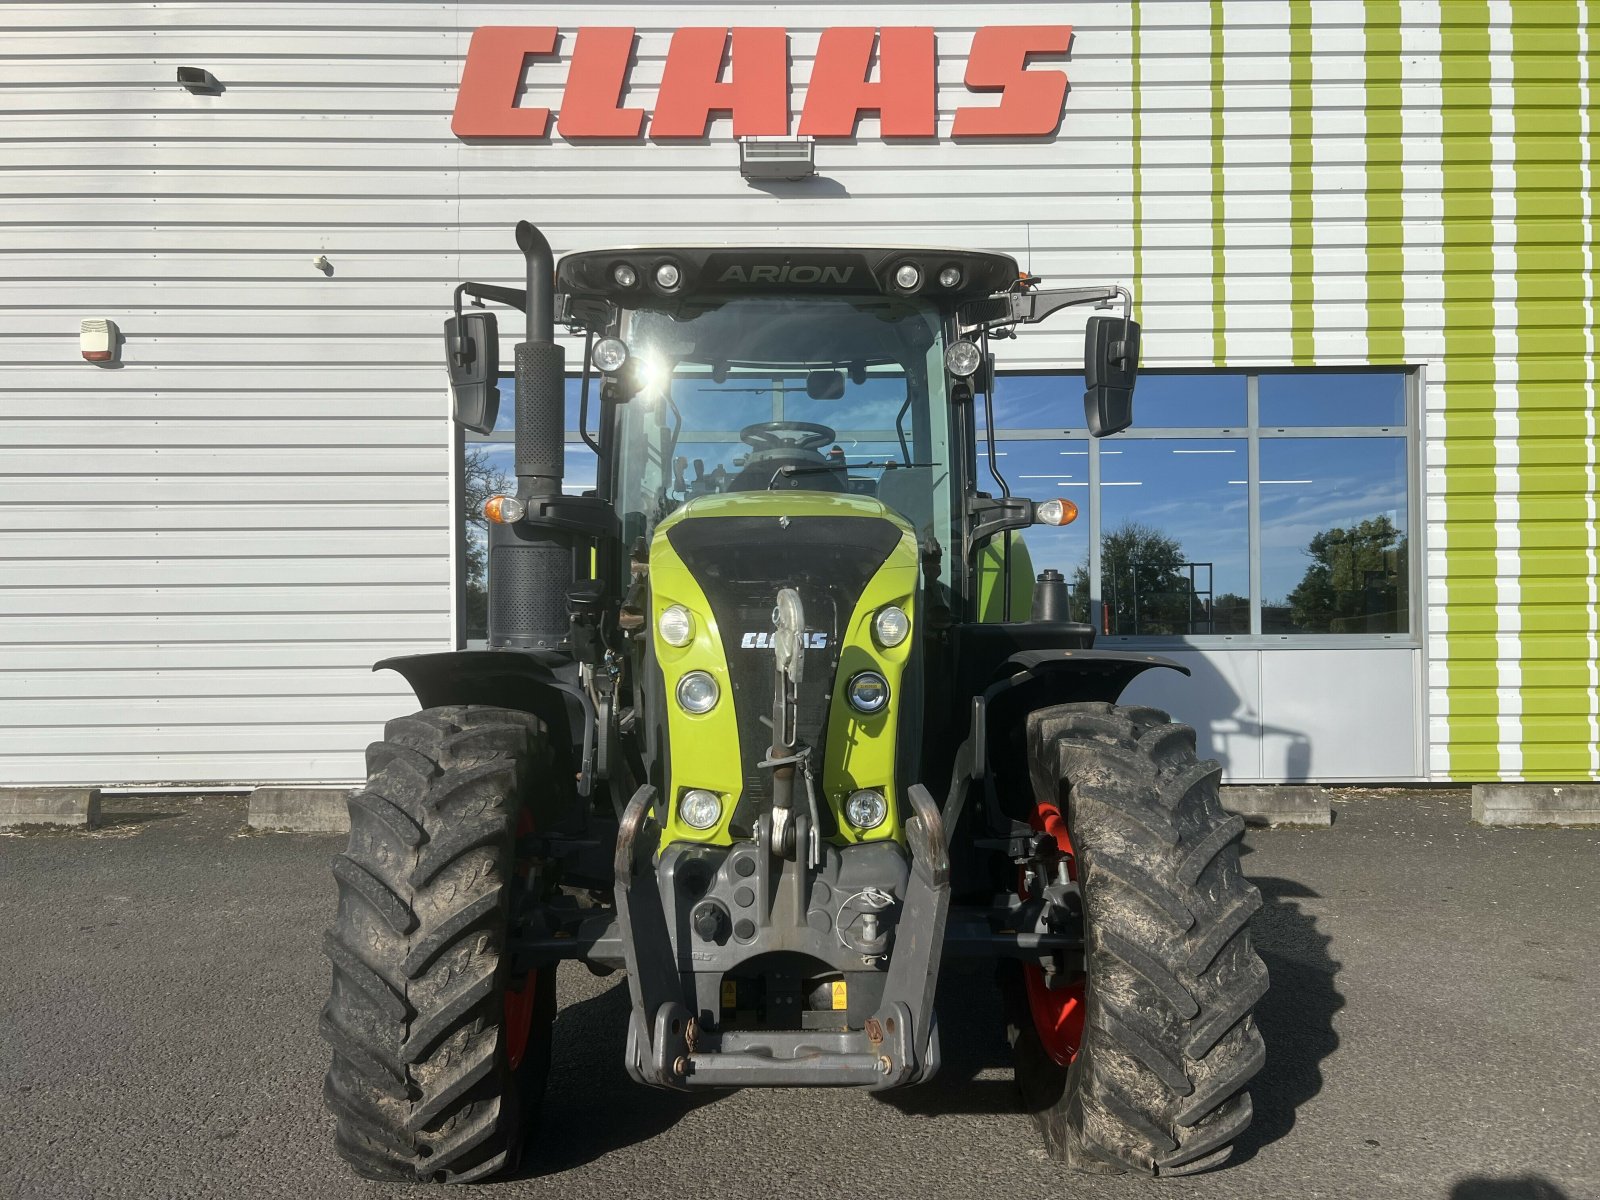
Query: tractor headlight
(700, 809)
(698, 691)
(676, 625)
(866, 809)
(962, 359)
(891, 626)
(867, 692)
(624, 275)
(668, 276)
(609, 354)
(950, 276)
(907, 277)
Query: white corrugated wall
(203, 550)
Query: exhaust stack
(532, 563)
(541, 376)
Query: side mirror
(472, 352)
(1110, 364)
(825, 385)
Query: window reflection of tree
(1356, 583)
(1150, 586)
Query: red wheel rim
(519, 1000)
(1057, 1012)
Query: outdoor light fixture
(199, 81)
(789, 158)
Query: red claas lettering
(754, 88)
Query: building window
(1275, 504)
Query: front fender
(536, 682)
(1034, 679)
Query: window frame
(1253, 434)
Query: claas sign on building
(756, 90)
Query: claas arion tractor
(776, 719)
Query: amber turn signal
(1055, 512)
(504, 510)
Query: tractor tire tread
(419, 1085)
(1170, 1043)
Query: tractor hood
(725, 558)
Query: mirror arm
(991, 516)
(1029, 308)
(515, 298)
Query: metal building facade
(204, 549)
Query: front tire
(1168, 1038)
(439, 1054)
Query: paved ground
(1432, 1032)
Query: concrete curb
(79, 807)
(1536, 803)
(299, 810)
(1283, 804)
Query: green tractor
(777, 719)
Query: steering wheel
(768, 435)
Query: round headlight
(668, 276)
(891, 626)
(867, 692)
(961, 359)
(675, 625)
(865, 809)
(949, 277)
(700, 809)
(609, 354)
(907, 277)
(697, 692)
(624, 275)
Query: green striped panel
(1551, 287)
(1302, 264)
(1471, 662)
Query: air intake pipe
(532, 563)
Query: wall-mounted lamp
(199, 81)
(789, 158)
(98, 339)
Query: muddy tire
(439, 1055)
(1169, 1040)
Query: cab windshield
(786, 393)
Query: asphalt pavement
(1431, 1032)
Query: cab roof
(790, 270)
